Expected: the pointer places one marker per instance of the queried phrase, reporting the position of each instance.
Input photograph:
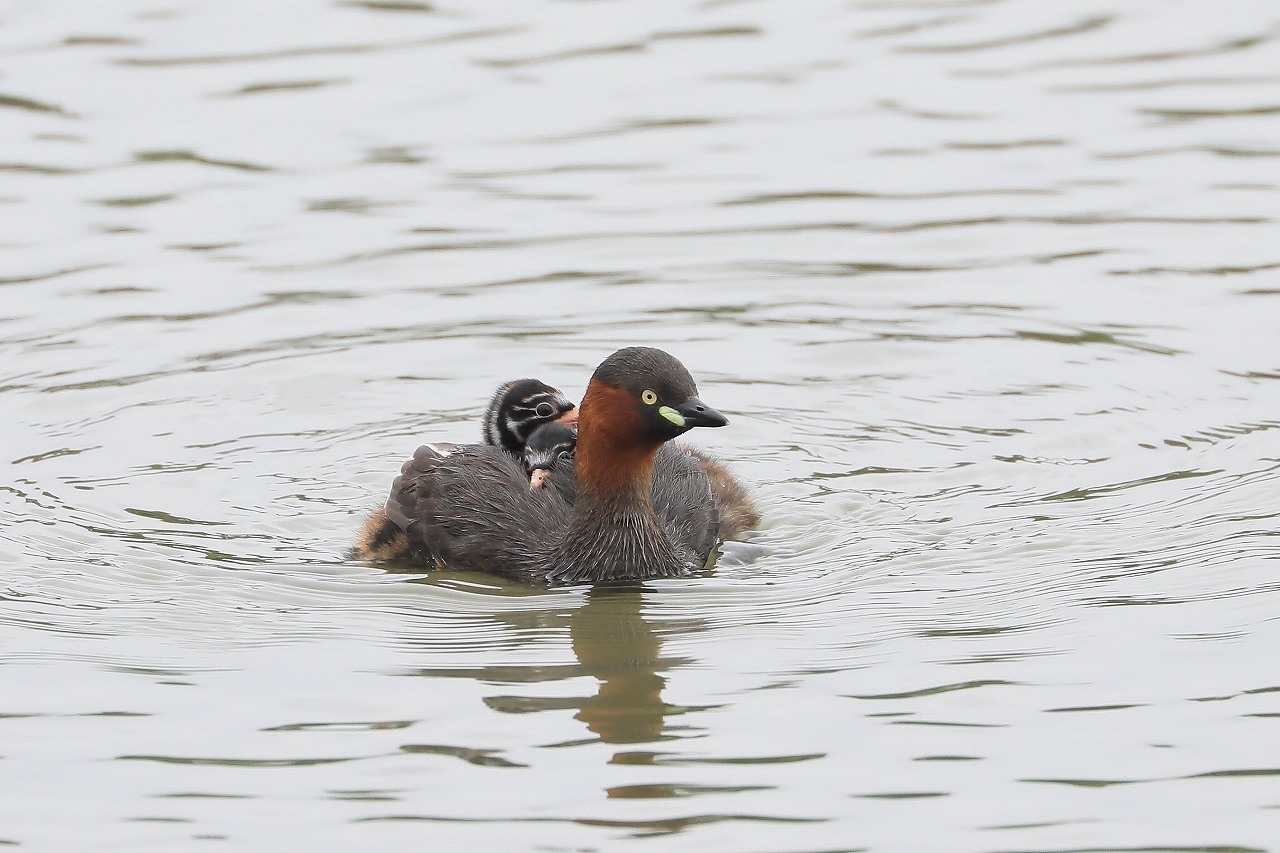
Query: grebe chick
(518, 408)
(632, 507)
(548, 445)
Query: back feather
(474, 510)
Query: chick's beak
(570, 417)
(539, 477)
(698, 414)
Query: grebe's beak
(698, 414)
(570, 417)
(539, 478)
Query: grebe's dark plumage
(516, 411)
(628, 506)
(737, 510)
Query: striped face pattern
(520, 407)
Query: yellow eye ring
(648, 397)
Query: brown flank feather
(381, 539)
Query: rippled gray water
(989, 289)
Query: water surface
(987, 287)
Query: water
(988, 289)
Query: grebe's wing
(684, 503)
(737, 510)
(472, 509)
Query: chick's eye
(648, 397)
(565, 456)
(544, 410)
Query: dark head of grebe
(549, 445)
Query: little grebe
(629, 506)
(521, 406)
(534, 422)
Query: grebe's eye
(544, 410)
(648, 397)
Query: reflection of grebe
(613, 643)
(632, 507)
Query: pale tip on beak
(538, 478)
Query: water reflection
(614, 643)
